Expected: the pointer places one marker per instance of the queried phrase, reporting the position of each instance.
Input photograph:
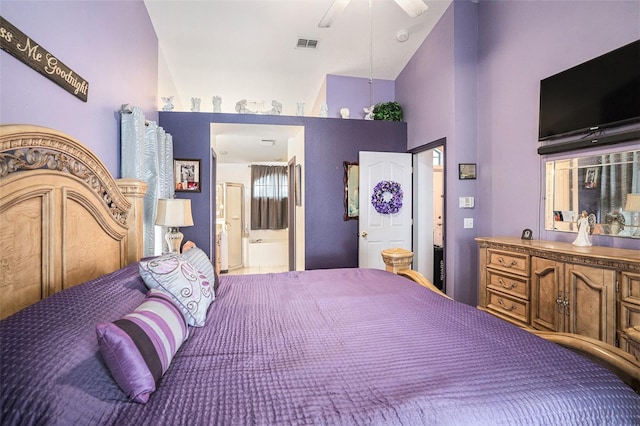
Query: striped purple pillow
(139, 347)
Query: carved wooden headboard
(63, 218)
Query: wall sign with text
(20, 46)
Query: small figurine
(369, 113)
(582, 240)
(344, 112)
(276, 108)
(324, 110)
(300, 109)
(241, 107)
(168, 103)
(195, 104)
(217, 103)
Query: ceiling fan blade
(332, 13)
(413, 8)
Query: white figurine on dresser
(582, 240)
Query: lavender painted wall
(462, 257)
(330, 242)
(191, 135)
(521, 43)
(111, 44)
(354, 93)
(438, 87)
(425, 87)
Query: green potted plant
(389, 111)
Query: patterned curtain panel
(132, 130)
(616, 168)
(147, 154)
(635, 172)
(269, 197)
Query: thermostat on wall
(466, 202)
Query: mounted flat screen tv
(598, 94)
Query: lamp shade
(174, 212)
(633, 203)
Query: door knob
(364, 235)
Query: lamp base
(174, 239)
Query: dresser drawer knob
(504, 306)
(509, 286)
(505, 264)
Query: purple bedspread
(331, 347)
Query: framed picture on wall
(186, 175)
(351, 186)
(591, 177)
(467, 171)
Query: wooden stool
(397, 259)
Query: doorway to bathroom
(238, 147)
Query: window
(269, 197)
(437, 157)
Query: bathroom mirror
(606, 186)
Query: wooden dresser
(554, 286)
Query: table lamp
(174, 213)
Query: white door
(438, 206)
(423, 213)
(235, 211)
(387, 224)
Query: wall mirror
(606, 186)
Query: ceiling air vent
(306, 43)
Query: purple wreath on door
(387, 197)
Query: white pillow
(201, 262)
(189, 288)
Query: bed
(57, 201)
(339, 346)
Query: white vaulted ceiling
(246, 49)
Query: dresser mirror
(606, 186)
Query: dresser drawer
(508, 306)
(630, 341)
(514, 285)
(629, 315)
(630, 287)
(514, 263)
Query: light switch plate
(468, 222)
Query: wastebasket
(438, 267)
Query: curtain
(269, 197)
(618, 176)
(147, 155)
(635, 172)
